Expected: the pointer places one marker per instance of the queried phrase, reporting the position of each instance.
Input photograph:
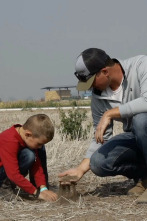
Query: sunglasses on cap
(83, 77)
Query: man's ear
(105, 71)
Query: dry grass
(40, 104)
(100, 198)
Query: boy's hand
(48, 195)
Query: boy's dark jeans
(26, 158)
(124, 154)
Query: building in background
(61, 92)
(87, 95)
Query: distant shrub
(71, 124)
(74, 104)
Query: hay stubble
(99, 198)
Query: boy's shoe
(7, 184)
(142, 198)
(7, 189)
(139, 188)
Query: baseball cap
(88, 63)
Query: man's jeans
(26, 158)
(124, 154)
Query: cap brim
(84, 86)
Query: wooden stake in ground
(68, 191)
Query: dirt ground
(100, 199)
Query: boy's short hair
(40, 125)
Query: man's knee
(97, 164)
(139, 124)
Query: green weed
(71, 124)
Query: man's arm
(77, 172)
(138, 105)
(104, 122)
(98, 108)
(84, 166)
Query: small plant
(74, 104)
(71, 124)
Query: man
(119, 93)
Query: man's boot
(142, 198)
(139, 188)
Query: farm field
(100, 199)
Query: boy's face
(35, 142)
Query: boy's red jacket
(10, 145)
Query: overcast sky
(40, 39)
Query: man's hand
(48, 195)
(75, 174)
(101, 127)
(104, 122)
(70, 176)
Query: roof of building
(58, 87)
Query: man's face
(101, 81)
(35, 142)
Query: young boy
(22, 151)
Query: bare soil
(99, 198)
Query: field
(100, 198)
